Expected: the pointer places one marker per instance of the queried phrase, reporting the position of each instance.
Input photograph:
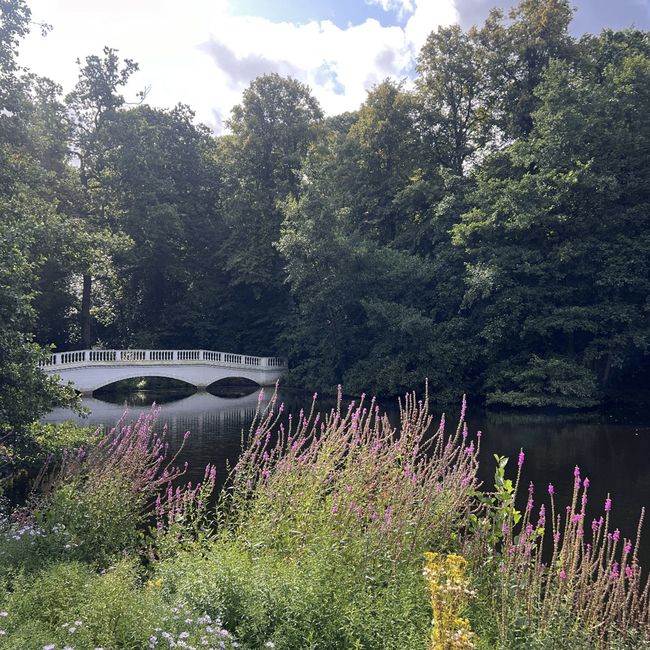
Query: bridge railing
(145, 357)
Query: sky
(204, 53)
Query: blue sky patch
(341, 12)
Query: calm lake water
(612, 449)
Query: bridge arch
(179, 374)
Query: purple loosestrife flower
(520, 460)
(551, 489)
(628, 572)
(614, 573)
(608, 504)
(562, 574)
(617, 535)
(586, 483)
(627, 548)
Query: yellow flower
(154, 584)
(450, 593)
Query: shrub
(95, 503)
(350, 479)
(323, 526)
(298, 602)
(586, 589)
(89, 521)
(68, 604)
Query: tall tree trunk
(86, 330)
(607, 370)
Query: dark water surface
(612, 449)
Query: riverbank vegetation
(332, 532)
(486, 228)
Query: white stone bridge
(92, 369)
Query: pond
(612, 449)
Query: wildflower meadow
(333, 530)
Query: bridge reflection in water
(215, 425)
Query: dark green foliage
(558, 241)
(27, 217)
(487, 230)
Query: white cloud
(428, 15)
(200, 54)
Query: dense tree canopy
(487, 229)
(29, 221)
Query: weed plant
(551, 579)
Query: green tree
(376, 160)
(272, 130)
(558, 241)
(165, 180)
(93, 107)
(27, 213)
(454, 116)
(516, 48)
(366, 309)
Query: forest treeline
(487, 227)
